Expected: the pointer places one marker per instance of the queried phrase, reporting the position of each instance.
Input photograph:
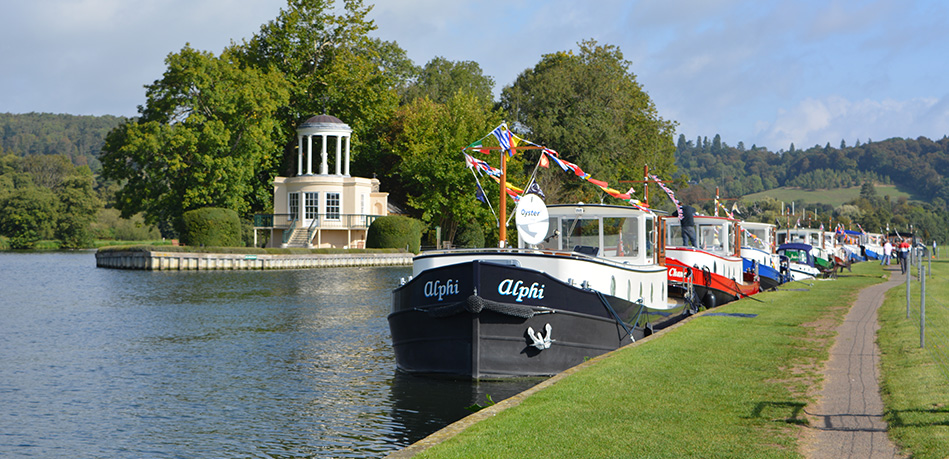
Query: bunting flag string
(506, 139)
(669, 192)
(471, 162)
(753, 237)
(727, 212)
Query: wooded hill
(78, 137)
(919, 166)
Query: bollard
(922, 310)
(908, 276)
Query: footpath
(847, 418)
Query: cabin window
(620, 237)
(712, 237)
(581, 235)
(650, 236)
(758, 241)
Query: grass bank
(915, 384)
(717, 386)
(834, 196)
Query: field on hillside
(834, 197)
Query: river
(292, 363)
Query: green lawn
(834, 197)
(915, 384)
(713, 387)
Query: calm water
(297, 363)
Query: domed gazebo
(323, 127)
(323, 210)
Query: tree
(440, 79)
(332, 66)
(589, 107)
(427, 138)
(78, 205)
(206, 137)
(27, 215)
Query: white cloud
(831, 119)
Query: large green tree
(333, 67)
(589, 107)
(208, 136)
(427, 137)
(441, 78)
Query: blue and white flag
(503, 135)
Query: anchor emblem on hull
(541, 342)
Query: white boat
(758, 246)
(584, 282)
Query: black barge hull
(484, 320)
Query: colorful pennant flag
(669, 192)
(480, 194)
(535, 188)
(503, 134)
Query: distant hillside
(78, 137)
(833, 197)
(920, 167)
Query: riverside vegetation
(722, 386)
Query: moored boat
(714, 269)
(758, 251)
(801, 258)
(586, 281)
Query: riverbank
(215, 258)
(717, 386)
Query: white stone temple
(316, 208)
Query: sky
(760, 72)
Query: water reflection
(296, 363)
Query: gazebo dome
(324, 122)
(322, 127)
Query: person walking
(887, 253)
(904, 256)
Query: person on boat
(887, 253)
(687, 224)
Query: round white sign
(531, 218)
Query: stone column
(339, 140)
(346, 166)
(309, 155)
(299, 155)
(323, 168)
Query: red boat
(712, 272)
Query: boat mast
(502, 222)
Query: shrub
(470, 236)
(212, 227)
(395, 232)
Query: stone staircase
(297, 239)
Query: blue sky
(762, 72)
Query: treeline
(47, 197)
(920, 165)
(80, 138)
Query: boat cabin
(759, 235)
(717, 235)
(622, 233)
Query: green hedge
(212, 226)
(395, 232)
